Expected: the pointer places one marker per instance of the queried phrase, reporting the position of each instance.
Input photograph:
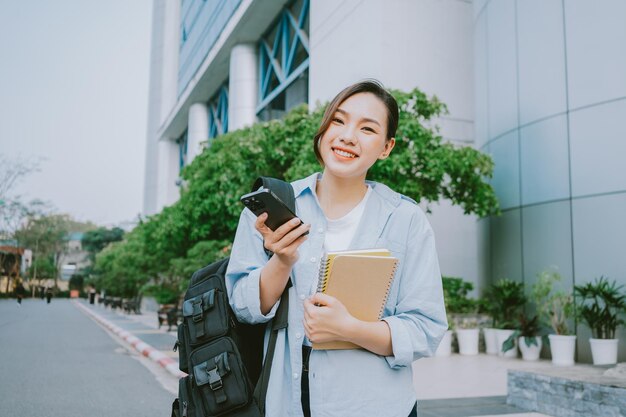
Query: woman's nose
(348, 136)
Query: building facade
(516, 77)
(550, 91)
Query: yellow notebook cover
(361, 282)
(327, 260)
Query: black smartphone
(265, 201)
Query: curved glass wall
(550, 101)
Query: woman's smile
(344, 153)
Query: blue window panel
(501, 67)
(547, 241)
(598, 145)
(541, 59)
(599, 229)
(596, 62)
(182, 151)
(283, 52)
(202, 22)
(544, 161)
(506, 246)
(218, 112)
(506, 175)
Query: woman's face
(356, 137)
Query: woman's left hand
(326, 319)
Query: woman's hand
(326, 319)
(284, 241)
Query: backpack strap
(285, 193)
(281, 188)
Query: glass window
(218, 112)
(182, 151)
(284, 61)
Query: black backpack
(222, 356)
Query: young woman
(341, 211)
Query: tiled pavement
(456, 386)
(477, 406)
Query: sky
(74, 96)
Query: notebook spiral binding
(382, 307)
(322, 279)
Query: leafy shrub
(505, 301)
(553, 306)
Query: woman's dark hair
(366, 86)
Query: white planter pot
(529, 353)
(562, 348)
(468, 341)
(604, 351)
(445, 346)
(491, 344)
(501, 336)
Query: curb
(143, 348)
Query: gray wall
(550, 94)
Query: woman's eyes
(341, 122)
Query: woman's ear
(389, 144)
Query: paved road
(57, 362)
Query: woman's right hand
(284, 241)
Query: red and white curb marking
(145, 349)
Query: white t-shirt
(339, 232)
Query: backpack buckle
(215, 379)
(222, 367)
(197, 309)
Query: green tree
(46, 236)
(123, 267)
(197, 257)
(77, 281)
(13, 208)
(422, 166)
(94, 241)
(43, 267)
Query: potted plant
(461, 312)
(527, 335)
(555, 308)
(467, 333)
(489, 333)
(506, 300)
(600, 304)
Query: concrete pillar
(162, 96)
(168, 173)
(197, 129)
(243, 86)
(171, 42)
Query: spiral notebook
(361, 281)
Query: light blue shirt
(348, 383)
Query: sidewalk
(464, 386)
(455, 386)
